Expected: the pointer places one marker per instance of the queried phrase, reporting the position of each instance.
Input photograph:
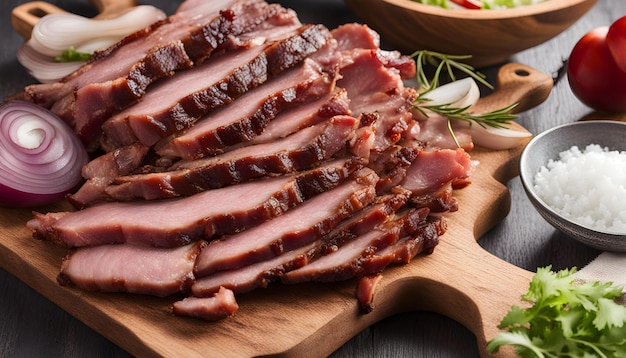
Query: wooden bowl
(490, 36)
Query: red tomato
(468, 4)
(616, 40)
(593, 75)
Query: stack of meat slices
(239, 147)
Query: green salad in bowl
(479, 4)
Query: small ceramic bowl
(548, 145)
(490, 36)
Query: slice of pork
(117, 60)
(219, 306)
(433, 169)
(176, 222)
(251, 113)
(354, 35)
(298, 152)
(376, 89)
(297, 227)
(101, 171)
(260, 274)
(304, 115)
(349, 260)
(423, 240)
(131, 268)
(176, 103)
(366, 290)
(90, 106)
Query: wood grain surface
(415, 315)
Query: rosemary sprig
(447, 62)
(498, 118)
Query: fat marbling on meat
(131, 268)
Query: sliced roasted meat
(432, 176)
(392, 165)
(260, 274)
(298, 152)
(351, 36)
(219, 306)
(248, 117)
(304, 115)
(351, 259)
(433, 169)
(212, 128)
(248, 278)
(101, 171)
(121, 161)
(90, 106)
(374, 88)
(175, 104)
(118, 60)
(366, 290)
(131, 268)
(298, 227)
(176, 222)
(423, 240)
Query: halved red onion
(40, 156)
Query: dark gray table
(32, 326)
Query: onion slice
(465, 93)
(55, 33)
(43, 67)
(498, 138)
(40, 156)
(456, 94)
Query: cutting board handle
(516, 83)
(25, 16)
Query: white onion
(498, 138)
(456, 94)
(55, 33)
(465, 93)
(44, 68)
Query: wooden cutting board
(459, 280)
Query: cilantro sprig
(566, 318)
(498, 118)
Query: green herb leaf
(71, 55)
(566, 319)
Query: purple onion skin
(13, 198)
(43, 168)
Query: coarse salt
(588, 187)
